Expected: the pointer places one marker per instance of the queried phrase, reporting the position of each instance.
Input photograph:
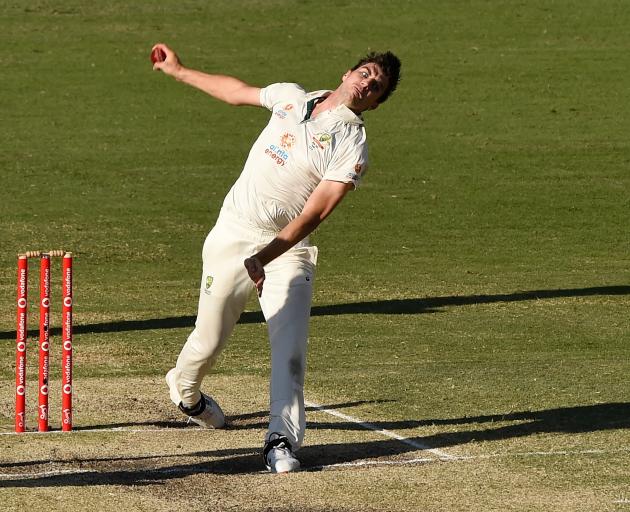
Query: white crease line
(372, 463)
(42, 474)
(452, 458)
(90, 430)
(186, 471)
(341, 465)
(559, 453)
(442, 455)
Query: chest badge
(322, 140)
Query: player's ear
(346, 75)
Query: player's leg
(225, 288)
(286, 304)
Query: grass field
(470, 336)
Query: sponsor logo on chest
(278, 152)
(284, 111)
(287, 140)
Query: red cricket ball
(158, 55)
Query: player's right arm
(222, 87)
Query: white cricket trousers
(285, 303)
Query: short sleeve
(282, 92)
(350, 161)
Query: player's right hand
(256, 272)
(171, 64)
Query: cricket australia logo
(209, 280)
(321, 140)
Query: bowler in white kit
(310, 154)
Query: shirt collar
(340, 112)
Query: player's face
(363, 87)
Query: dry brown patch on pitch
(131, 449)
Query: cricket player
(311, 153)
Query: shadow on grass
(379, 307)
(234, 422)
(579, 419)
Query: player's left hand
(256, 272)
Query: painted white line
(42, 474)
(468, 457)
(187, 471)
(464, 458)
(90, 430)
(159, 471)
(372, 463)
(341, 465)
(369, 426)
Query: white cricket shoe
(278, 455)
(206, 413)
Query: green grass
(482, 270)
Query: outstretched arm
(326, 196)
(222, 87)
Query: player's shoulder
(281, 92)
(353, 134)
(288, 88)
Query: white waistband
(253, 231)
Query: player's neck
(331, 102)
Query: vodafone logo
(46, 302)
(67, 301)
(44, 346)
(67, 389)
(67, 345)
(44, 391)
(21, 346)
(21, 303)
(20, 390)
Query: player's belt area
(242, 227)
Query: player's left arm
(324, 199)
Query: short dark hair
(390, 64)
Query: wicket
(44, 339)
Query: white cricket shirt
(293, 154)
